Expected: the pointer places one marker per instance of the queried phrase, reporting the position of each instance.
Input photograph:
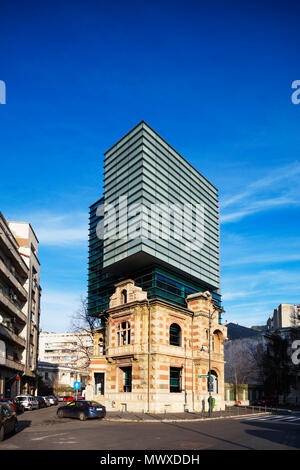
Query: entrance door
(99, 383)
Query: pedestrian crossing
(270, 417)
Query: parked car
(8, 420)
(52, 399)
(29, 402)
(47, 401)
(41, 401)
(265, 401)
(82, 410)
(60, 398)
(9, 402)
(18, 404)
(68, 398)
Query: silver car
(29, 402)
(52, 399)
(47, 401)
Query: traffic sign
(203, 376)
(76, 385)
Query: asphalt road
(42, 430)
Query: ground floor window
(99, 383)
(175, 379)
(127, 379)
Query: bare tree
(83, 326)
(241, 364)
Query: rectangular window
(123, 334)
(175, 379)
(127, 379)
(99, 383)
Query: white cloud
(59, 229)
(57, 308)
(278, 189)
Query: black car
(8, 420)
(82, 410)
(16, 405)
(42, 402)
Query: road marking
(45, 437)
(293, 419)
(285, 418)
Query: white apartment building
(63, 357)
(285, 316)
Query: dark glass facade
(147, 170)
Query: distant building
(55, 375)
(20, 294)
(65, 355)
(285, 316)
(242, 351)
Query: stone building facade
(150, 355)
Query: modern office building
(20, 293)
(154, 281)
(157, 224)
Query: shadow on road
(23, 424)
(212, 436)
(288, 435)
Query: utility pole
(149, 340)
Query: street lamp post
(209, 364)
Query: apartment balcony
(11, 336)
(8, 305)
(11, 363)
(11, 250)
(29, 372)
(11, 279)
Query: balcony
(14, 364)
(8, 304)
(11, 336)
(14, 283)
(12, 250)
(126, 350)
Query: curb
(126, 420)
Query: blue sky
(212, 78)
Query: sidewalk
(186, 417)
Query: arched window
(175, 334)
(214, 382)
(123, 333)
(217, 341)
(101, 347)
(124, 296)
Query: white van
(28, 401)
